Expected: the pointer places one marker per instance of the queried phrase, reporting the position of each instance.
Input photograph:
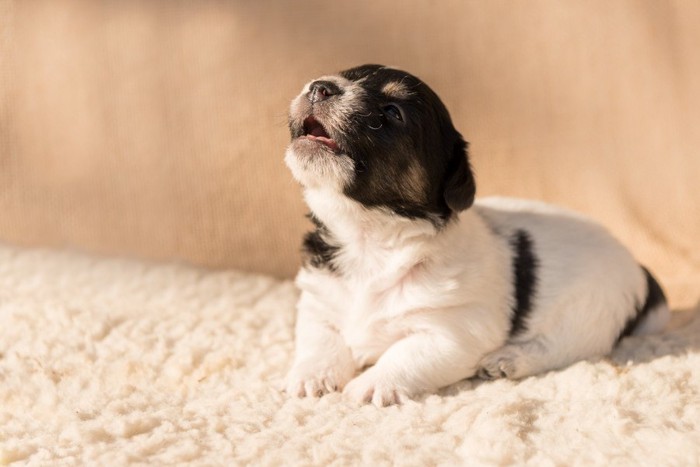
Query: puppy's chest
(374, 313)
(370, 321)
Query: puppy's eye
(393, 111)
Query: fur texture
(410, 286)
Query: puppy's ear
(460, 186)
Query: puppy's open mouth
(314, 131)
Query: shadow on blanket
(682, 336)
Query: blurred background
(156, 129)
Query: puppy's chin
(315, 165)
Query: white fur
(429, 307)
(315, 171)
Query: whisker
(281, 119)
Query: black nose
(322, 90)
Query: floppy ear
(460, 186)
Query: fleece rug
(115, 362)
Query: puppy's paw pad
(496, 368)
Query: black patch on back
(524, 279)
(318, 251)
(655, 297)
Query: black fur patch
(418, 166)
(318, 251)
(524, 279)
(655, 297)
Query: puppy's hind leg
(517, 360)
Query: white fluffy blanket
(112, 362)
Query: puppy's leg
(323, 362)
(421, 362)
(520, 359)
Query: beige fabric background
(157, 129)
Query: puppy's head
(383, 138)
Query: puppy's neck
(376, 248)
(353, 224)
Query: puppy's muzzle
(321, 90)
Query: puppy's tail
(653, 315)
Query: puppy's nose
(321, 90)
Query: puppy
(410, 280)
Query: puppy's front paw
(316, 378)
(372, 387)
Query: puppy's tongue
(327, 141)
(314, 130)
